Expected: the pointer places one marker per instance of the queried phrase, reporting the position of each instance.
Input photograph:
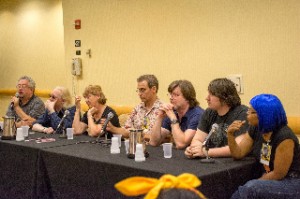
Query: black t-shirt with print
(277, 137)
(210, 117)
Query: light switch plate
(237, 79)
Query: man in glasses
(178, 118)
(58, 106)
(25, 106)
(143, 115)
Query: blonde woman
(92, 121)
(59, 101)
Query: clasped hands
(195, 150)
(166, 110)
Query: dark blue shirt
(189, 121)
(53, 119)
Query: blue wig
(270, 112)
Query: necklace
(267, 137)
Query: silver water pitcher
(136, 136)
(9, 128)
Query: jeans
(288, 188)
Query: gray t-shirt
(34, 108)
(210, 117)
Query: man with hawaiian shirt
(143, 116)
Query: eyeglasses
(140, 90)
(52, 96)
(173, 95)
(251, 111)
(22, 86)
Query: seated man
(25, 106)
(58, 102)
(91, 123)
(143, 115)
(224, 106)
(180, 117)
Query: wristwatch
(174, 121)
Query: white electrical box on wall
(237, 79)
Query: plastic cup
(167, 148)
(25, 130)
(70, 133)
(139, 153)
(126, 142)
(119, 136)
(114, 145)
(1, 124)
(20, 136)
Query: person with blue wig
(275, 147)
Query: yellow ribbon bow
(135, 186)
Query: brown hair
(95, 90)
(224, 89)
(150, 79)
(187, 89)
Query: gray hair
(31, 82)
(65, 95)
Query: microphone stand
(207, 159)
(103, 130)
(63, 129)
(106, 141)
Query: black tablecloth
(65, 169)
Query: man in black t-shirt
(224, 107)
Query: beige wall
(32, 43)
(197, 40)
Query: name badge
(265, 154)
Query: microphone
(214, 129)
(67, 112)
(110, 115)
(12, 103)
